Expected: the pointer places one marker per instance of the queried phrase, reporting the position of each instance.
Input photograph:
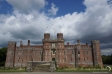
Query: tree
(3, 52)
(107, 59)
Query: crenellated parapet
(95, 41)
(11, 42)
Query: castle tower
(59, 35)
(46, 36)
(46, 47)
(21, 44)
(28, 42)
(60, 49)
(10, 54)
(77, 53)
(96, 53)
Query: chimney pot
(28, 42)
(67, 43)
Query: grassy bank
(3, 69)
(81, 69)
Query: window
(65, 59)
(79, 58)
(78, 52)
(72, 52)
(71, 58)
(53, 51)
(53, 45)
(40, 52)
(46, 53)
(83, 52)
(64, 52)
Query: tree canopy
(3, 52)
(107, 59)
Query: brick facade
(65, 55)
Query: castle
(54, 50)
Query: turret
(46, 36)
(21, 43)
(78, 41)
(67, 43)
(28, 42)
(59, 35)
(10, 54)
(96, 52)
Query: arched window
(53, 51)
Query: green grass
(12, 69)
(81, 69)
(85, 70)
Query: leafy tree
(107, 59)
(3, 52)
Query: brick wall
(54, 49)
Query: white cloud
(53, 9)
(27, 6)
(94, 23)
(107, 51)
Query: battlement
(60, 35)
(52, 40)
(11, 42)
(46, 35)
(95, 41)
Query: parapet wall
(95, 41)
(40, 66)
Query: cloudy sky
(86, 20)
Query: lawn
(81, 69)
(3, 69)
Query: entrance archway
(53, 59)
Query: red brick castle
(54, 50)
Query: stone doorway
(53, 59)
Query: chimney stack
(28, 42)
(20, 43)
(78, 41)
(67, 43)
(87, 44)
